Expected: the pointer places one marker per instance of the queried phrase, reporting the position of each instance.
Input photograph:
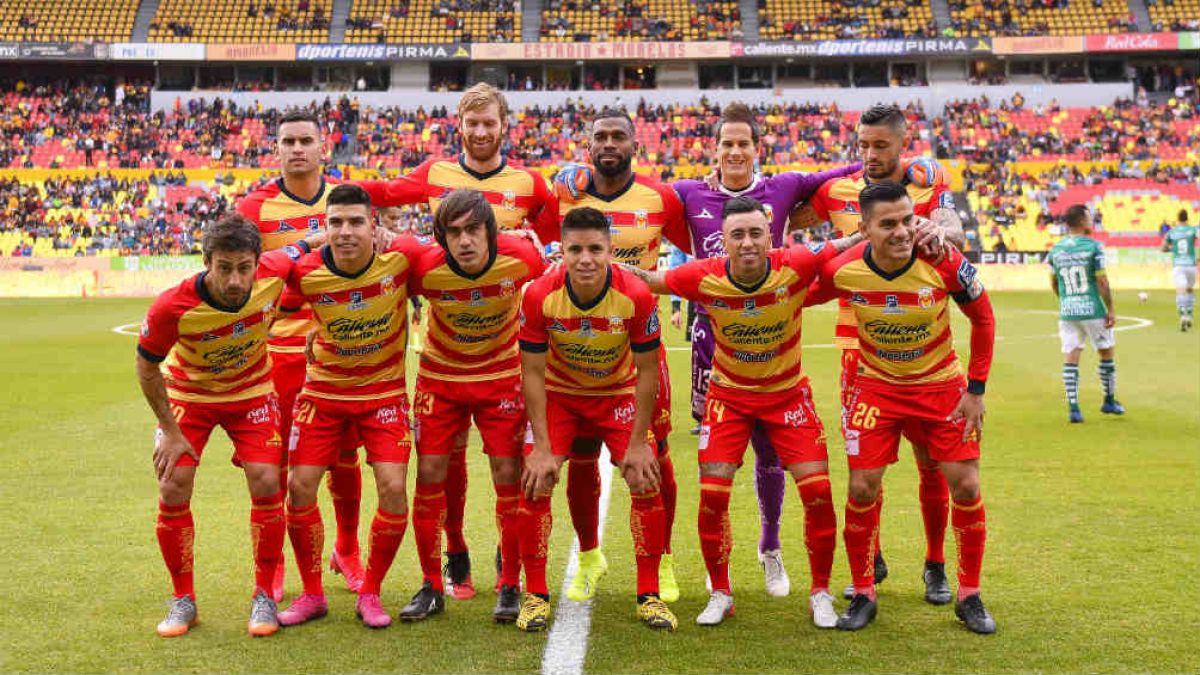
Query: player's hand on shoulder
(712, 181)
(929, 238)
(383, 239)
(925, 172)
(572, 181)
(168, 449)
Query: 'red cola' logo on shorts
(624, 414)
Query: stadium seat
(830, 19)
(241, 21)
(977, 18)
(433, 21)
(641, 20)
(42, 21)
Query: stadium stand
(242, 21)
(40, 21)
(976, 18)
(844, 19)
(1174, 15)
(657, 20)
(433, 21)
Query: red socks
(716, 538)
(387, 531)
(669, 489)
(429, 516)
(583, 498)
(862, 528)
(935, 500)
(970, 532)
(345, 488)
(647, 522)
(820, 527)
(507, 523)
(307, 533)
(176, 536)
(456, 500)
(536, 519)
(266, 537)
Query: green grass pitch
(1091, 566)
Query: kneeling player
(754, 298)
(210, 335)
(589, 358)
(470, 367)
(909, 383)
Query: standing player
(209, 337)
(470, 367)
(882, 137)
(754, 297)
(288, 209)
(1085, 305)
(910, 383)
(517, 196)
(589, 351)
(1180, 242)
(354, 385)
(640, 212)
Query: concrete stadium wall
(933, 97)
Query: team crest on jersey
(510, 200)
(770, 211)
(925, 297)
(508, 288)
(616, 324)
(641, 218)
(356, 301)
(556, 326)
(314, 224)
(284, 227)
(585, 328)
(239, 329)
(267, 311)
(387, 285)
(891, 305)
(326, 300)
(750, 308)
(781, 295)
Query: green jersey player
(1180, 242)
(1085, 309)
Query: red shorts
(442, 410)
(788, 418)
(661, 424)
(877, 414)
(288, 370)
(252, 425)
(608, 419)
(849, 373)
(321, 426)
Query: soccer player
(1180, 241)
(589, 360)
(754, 296)
(518, 196)
(1085, 305)
(354, 385)
(882, 137)
(202, 362)
(286, 210)
(640, 212)
(470, 367)
(909, 383)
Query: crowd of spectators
(1010, 18)
(847, 20)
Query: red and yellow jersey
(359, 350)
(282, 219)
(903, 321)
(517, 195)
(212, 353)
(837, 202)
(472, 333)
(590, 345)
(757, 328)
(639, 215)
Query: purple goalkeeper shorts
(703, 347)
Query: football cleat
(1185, 323)
(861, 612)
(775, 577)
(370, 609)
(534, 614)
(456, 575)
(304, 608)
(592, 567)
(424, 604)
(263, 616)
(654, 613)
(1112, 407)
(668, 586)
(937, 589)
(970, 610)
(277, 582)
(508, 605)
(823, 613)
(1075, 416)
(349, 567)
(720, 605)
(181, 617)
